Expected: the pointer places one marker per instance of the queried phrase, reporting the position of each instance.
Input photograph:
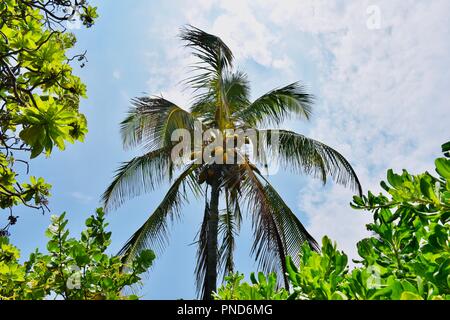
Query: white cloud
(81, 197)
(117, 74)
(168, 69)
(237, 25)
(384, 94)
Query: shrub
(72, 269)
(407, 257)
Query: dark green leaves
(443, 167)
(319, 275)
(446, 149)
(407, 257)
(39, 92)
(261, 288)
(411, 242)
(427, 188)
(394, 179)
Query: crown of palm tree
(222, 101)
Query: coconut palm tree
(222, 102)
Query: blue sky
(378, 69)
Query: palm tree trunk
(211, 245)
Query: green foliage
(72, 269)
(262, 288)
(51, 124)
(39, 93)
(320, 275)
(408, 256)
(410, 248)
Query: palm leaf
(214, 55)
(277, 105)
(154, 232)
(269, 243)
(305, 155)
(278, 232)
(215, 60)
(151, 122)
(236, 92)
(139, 175)
(296, 234)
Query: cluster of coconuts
(231, 173)
(230, 176)
(220, 152)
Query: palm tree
(222, 102)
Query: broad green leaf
(410, 296)
(394, 179)
(443, 167)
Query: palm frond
(151, 121)
(305, 155)
(229, 226)
(269, 245)
(215, 60)
(236, 90)
(278, 232)
(277, 105)
(214, 55)
(235, 94)
(154, 232)
(204, 107)
(139, 175)
(294, 231)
